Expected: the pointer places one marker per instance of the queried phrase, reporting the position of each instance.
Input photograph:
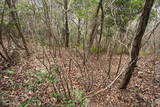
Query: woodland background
(75, 53)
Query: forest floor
(22, 85)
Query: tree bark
(136, 45)
(66, 24)
(92, 35)
(15, 17)
(79, 31)
(6, 57)
(101, 30)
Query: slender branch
(150, 33)
(109, 86)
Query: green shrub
(32, 102)
(120, 51)
(143, 53)
(78, 99)
(79, 46)
(96, 50)
(10, 72)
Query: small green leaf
(52, 79)
(10, 72)
(57, 96)
(32, 89)
(25, 105)
(40, 80)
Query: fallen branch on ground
(107, 87)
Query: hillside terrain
(25, 84)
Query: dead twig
(107, 87)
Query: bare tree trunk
(15, 17)
(66, 24)
(136, 46)
(101, 30)
(92, 35)
(79, 31)
(1, 40)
